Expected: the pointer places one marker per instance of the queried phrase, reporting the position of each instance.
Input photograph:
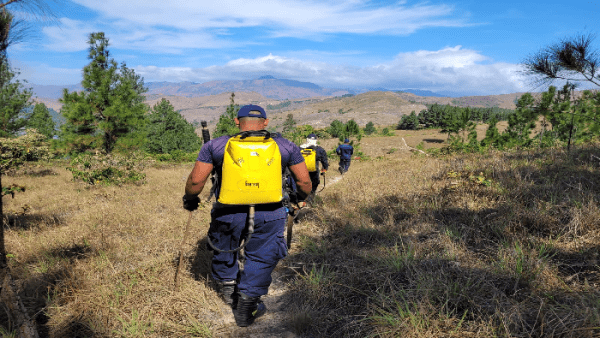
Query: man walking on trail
(242, 288)
(321, 156)
(345, 152)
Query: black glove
(191, 202)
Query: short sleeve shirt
(213, 152)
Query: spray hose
(240, 249)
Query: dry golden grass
(101, 260)
(498, 246)
(502, 245)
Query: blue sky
(460, 46)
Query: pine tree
(109, 108)
(492, 135)
(226, 124)
(571, 59)
(168, 131)
(409, 122)
(13, 101)
(370, 128)
(41, 120)
(336, 128)
(521, 122)
(351, 128)
(289, 124)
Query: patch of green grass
(317, 276)
(4, 333)
(398, 258)
(199, 330)
(134, 327)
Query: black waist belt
(234, 209)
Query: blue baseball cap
(346, 140)
(312, 136)
(252, 110)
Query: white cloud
(284, 17)
(450, 69)
(70, 36)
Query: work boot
(248, 309)
(226, 290)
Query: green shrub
(107, 169)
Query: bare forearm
(192, 188)
(197, 178)
(304, 186)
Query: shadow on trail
(26, 221)
(200, 265)
(434, 140)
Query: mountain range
(267, 86)
(307, 102)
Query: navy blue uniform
(228, 225)
(321, 156)
(345, 152)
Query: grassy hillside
(382, 108)
(502, 245)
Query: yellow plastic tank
(251, 171)
(310, 157)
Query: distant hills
(267, 86)
(308, 102)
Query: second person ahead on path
(345, 152)
(321, 156)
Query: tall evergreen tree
(13, 101)
(168, 131)
(109, 108)
(289, 124)
(409, 122)
(521, 122)
(336, 128)
(370, 128)
(351, 128)
(226, 124)
(41, 120)
(492, 135)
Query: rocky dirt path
(272, 324)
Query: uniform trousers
(264, 249)
(344, 165)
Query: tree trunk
(16, 310)
(2, 248)
(571, 132)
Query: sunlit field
(403, 245)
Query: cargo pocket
(268, 245)
(221, 232)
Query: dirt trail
(273, 323)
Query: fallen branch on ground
(407, 147)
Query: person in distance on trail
(345, 152)
(242, 289)
(321, 156)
